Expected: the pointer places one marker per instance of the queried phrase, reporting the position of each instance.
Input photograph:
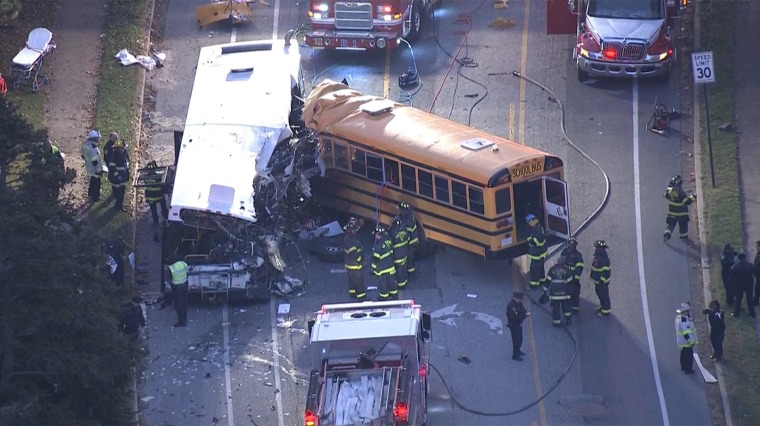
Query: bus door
(556, 215)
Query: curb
(704, 256)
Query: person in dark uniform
(559, 292)
(178, 271)
(678, 208)
(154, 192)
(115, 261)
(574, 261)
(118, 174)
(354, 260)
(717, 328)
(132, 317)
(382, 264)
(757, 273)
(400, 238)
(407, 216)
(743, 278)
(516, 314)
(536, 251)
(601, 273)
(727, 260)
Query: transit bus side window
(391, 172)
(459, 194)
(503, 201)
(426, 183)
(341, 157)
(408, 178)
(358, 162)
(327, 152)
(375, 168)
(476, 200)
(442, 189)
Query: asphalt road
(245, 364)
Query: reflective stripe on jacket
(118, 169)
(400, 244)
(559, 282)
(537, 243)
(153, 190)
(91, 155)
(382, 257)
(179, 272)
(352, 251)
(601, 271)
(410, 223)
(686, 332)
(678, 201)
(574, 260)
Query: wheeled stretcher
(27, 64)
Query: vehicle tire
(328, 249)
(582, 75)
(415, 24)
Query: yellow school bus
(468, 189)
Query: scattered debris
(147, 398)
(502, 23)
(472, 296)
(725, 127)
(338, 271)
(500, 4)
(283, 308)
(464, 359)
(148, 62)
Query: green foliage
(63, 360)
(9, 10)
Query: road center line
(523, 70)
(276, 23)
(640, 255)
(227, 381)
(276, 361)
(387, 74)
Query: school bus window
(408, 178)
(426, 183)
(555, 193)
(375, 168)
(327, 152)
(442, 189)
(358, 162)
(459, 194)
(341, 157)
(391, 172)
(503, 201)
(476, 200)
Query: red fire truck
(367, 24)
(369, 365)
(629, 38)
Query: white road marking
(640, 255)
(275, 26)
(227, 381)
(276, 361)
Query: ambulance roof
(367, 320)
(238, 112)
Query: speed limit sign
(702, 67)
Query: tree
(62, 359)
(9, 10)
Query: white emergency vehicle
(369, 364)
(239, 119)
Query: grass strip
(723, 210)
(117, 101)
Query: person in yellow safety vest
(400, 238)
(178, 271)
(601, 273)
(354, 260)
(154, 192)
(91, 155)
(686, 337)
(410, 223)
(559, 292)
(118, 174)
(574, 261)
(678, 208)
(382, 264)
(536, 251)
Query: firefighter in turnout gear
(118, 174)
(353, 260)
(574, 261)
(536, 251)
(410, 223)
(154, 192)
(559, 291)
(678, 208)
(400, 238)
(382, 264)
(600, 276)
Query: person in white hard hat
(686, 337)
(93, 163)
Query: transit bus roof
(409, 133)
(239, 110)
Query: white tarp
(358, 401)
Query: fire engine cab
(369, 364)
(367, 24)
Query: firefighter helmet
(118, 144)
(351, 225)
(572, 242)
(676, 180)
(403, 205)
(531, 219)
(380, 229)
(600, 244)
(396, 221)
(152, 164)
